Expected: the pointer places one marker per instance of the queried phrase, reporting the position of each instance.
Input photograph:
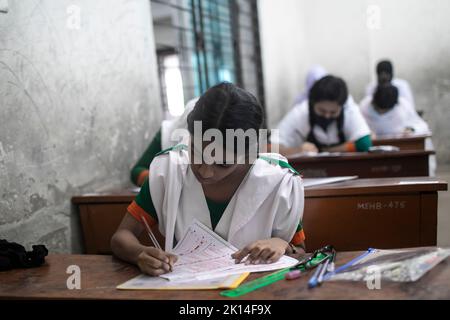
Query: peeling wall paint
(79, 101)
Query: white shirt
(295, 127)
(404, 90)
(395, 121)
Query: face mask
(324, 122)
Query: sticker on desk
(378, 205)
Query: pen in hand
(154, 241)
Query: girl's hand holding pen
(155, 262)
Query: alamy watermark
(234, 147)
(73, 21)
(373, 20)
(74, 280)
(373, 278)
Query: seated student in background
(161, 141)
(388, 114)
(329, 121)
(315, 73)
(385, 75)
(255, 204)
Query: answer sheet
(203, 254)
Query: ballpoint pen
(150, 233)
(153, 238)
(313, 281)
(323, 271)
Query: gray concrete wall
(79, 102)
(415, 34)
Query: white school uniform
(168, 127)
(395, 121)
(295, 127)
(404, 90)
(268, 203)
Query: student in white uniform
(385, 75)
(256, 206)
(162, 140)
(329, 121)
(315, 73)
(389, 114)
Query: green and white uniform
(268, 203)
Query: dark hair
(329, 88)
(385, 66)
(385, 97)
(226, 106)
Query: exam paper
(203, 254)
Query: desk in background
(403, 142)
(364, 165)
(351, 215)
(380, 213)
(101, 274)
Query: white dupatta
(268, 203)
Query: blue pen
(323, 271)
(313, 280)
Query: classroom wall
(79, 103)
(346, 39)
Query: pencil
(150, 233)
(153, 238)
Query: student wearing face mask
(256, 204)
(329, 121)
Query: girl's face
(327, 109)
(211, 173)
(384, 77)
(326, 112)
(381, 111)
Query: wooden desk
(379, 213)
(365, 165)
(404, 142)
(351, 215)
(101, 274)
